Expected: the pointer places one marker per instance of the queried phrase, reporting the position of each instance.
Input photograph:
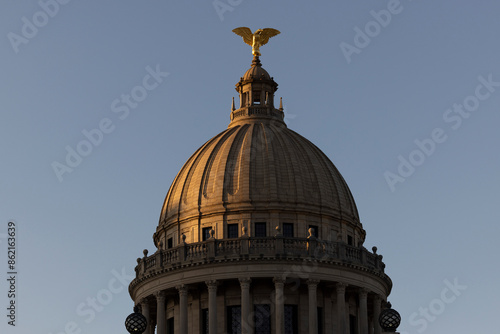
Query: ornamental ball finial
(389, 319)
(136, 323)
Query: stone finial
(183, 237)
(244, 231)
(212, 234)
(374, 249)
(139, 260)
(145, 252)
(281, 104)
(233, 108)
(278, 231)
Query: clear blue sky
(363, 98)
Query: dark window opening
(206, 233)
(291, 319)
(204, 321)
(234, 319)
(170, 243)
(260, 229)
(349, 240)
(256, 97)
(320, 320)
(315, 230)
(288, 230)
(232, 231)
(170, 325)
(353, 324)
(262, 319)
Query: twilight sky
(403, 96)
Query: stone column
(145, 313)
(340, 288)
(183, 309)
(363, 311)
(212, 306)
(377, 301)
(246, 322)
(279, 284)
(313, 306)
(161, 321)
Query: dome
(258, 170)
(259, 165)
(256, 72)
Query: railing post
(342, 252)
(138, 268)
(244, 240)
(145, 252)
(363, 255)
(279, 242)
(211, 245)
(158, 262)
(378, 263)
(312, 243)
(182, 249)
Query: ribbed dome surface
(256, 72)
(258, 165)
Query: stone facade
(259, 233)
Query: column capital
(245, 281)
(279, 280)
(182, 289)
(211, 284)
(312, 283)
(160, 295)
(144, 301)
(363, 292)
(340, 287)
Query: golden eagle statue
(257, 39)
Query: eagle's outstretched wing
(246, 33)
(266, 34)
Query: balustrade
(245, 247)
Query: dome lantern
(256, 92)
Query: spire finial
(233, 108)
(256, 61)
(281, 104)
